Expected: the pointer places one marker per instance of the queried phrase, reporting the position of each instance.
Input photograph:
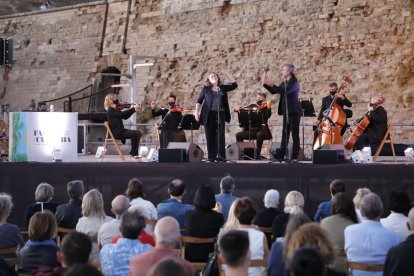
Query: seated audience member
(174, 206)
(271, 203)
(115, 258)
(234, 249)
(110, 229)
(307, 262)
(83, 269)
(343, 215)
(9, 233)
(136, 194)
(68, 214)
(6, 269)
(43, 195)
(369, 241)
(168, 267)
(311, 235)
(40, 250)
(360, 193)
(325, 208)
(399, 204)
(276, 264)
(93, 218)
(167, 236)
(225, 197)
(399, 260)
(203, 222)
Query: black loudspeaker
(276, 145)
(81, 138)
(171, 155)
(324, 157)
(1, 51)
(339, 148)
(8, 51)
(193, 152)
(241, 151)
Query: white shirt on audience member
(397, 223)
(151, 211)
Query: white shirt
(151, 211)
(397, 223)
(256, 249)
(108, 231)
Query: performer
(171, 119)
(289, 107)
(377, 127)
(214, 113)
(264, 110)
(115, 117)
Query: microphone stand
(162, 125)
(218, 156)
(286, 124)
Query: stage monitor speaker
(1, 51)
(171, 155)
(81, 138)
(324, 157)
(193, 152)
(339, 148)
(241, 151)
(8, 51)
(276, 145)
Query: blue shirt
(115, 257)
(225, 200)
(174, 208)
(276, 265)
(368, 242)
(324, 211)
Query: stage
(253, 178)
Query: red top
(144, 238)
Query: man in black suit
(399, 258)
(68, 214)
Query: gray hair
(75, 188)
(291, 68)
(227, 184)
(271, 198)
(44, 192)
(371, 206)
(167, 230)
(140, 209)
(92, 204)
(6, 204)
(411, 219)
(120, 204)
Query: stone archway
(97, 101)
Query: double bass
(330, 128)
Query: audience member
(168, 267)
(9, 233)
(6, 269)
(232, 222)
(110, 229)
(68, 214)
(343, 215)
(225, 197)
(136, 194)
(167, 236)
(307, 262)
(43, 195)
(40, 250)
(83, 269)
(74, 249)
(399, 204)
(399, 258)
(325, 208)
(360, 193)
(369, 241)
(93, 217)
(234, 249)
(115, 258)
(202, 222)
(174, 206)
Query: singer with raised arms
(214, 113)
(289, 108)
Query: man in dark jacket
(68, 214)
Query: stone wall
(371, 41)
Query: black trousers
(363, 140)
(170, 135)
(255, 133)
(135, 136)
(291, 127)
(214, 128)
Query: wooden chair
(110, 136)
(269, 235)
(8, 251)
(253, 263)
(61, 232)
(364, 267)
(387, 139)
(198, 266)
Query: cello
(329, 131)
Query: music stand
(308, 110)
(249, 119)
(188, 122)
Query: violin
(264, 105)
(177, 108)
(121, 106)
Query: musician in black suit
(171, 119)
(291, 115)
(214, 113)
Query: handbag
(211, 268)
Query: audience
(9, 233)
(40, 250)
(307, 261)
(168, 267)
(399, 258)
(68, 214)
(399, 204)
(343, 215)
(369, 241)
(234, 249)
(225, 197)
(74, 249)
(360, 193)
(83, 269)
(271, 203)
(110, 229)
(325, 208)
(167, 236)
(43, 195)
(6, 269)
(232, 222)
(136, 194)
(174, 206)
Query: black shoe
(123, 141)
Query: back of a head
(232, 221)
(371, 206)
(135, 189)
(75, 248)
(245, 210)
(6, 205)
(227, 184)
(120, 204)
(271, 198)
(337, 186)
(204, 198)
(44, 192)
(82, 269)
(295, 221)
(92, 204)
(411, 219)
(360, 193)
(342, 205)
(42, 226)
(167, 231)
(132, 223)
(234, 245)
(399, 202)
(168, 267)
(75, 189)
(294, 202)
(307, 262)
(176, 187)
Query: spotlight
(143, 151)
(409, 153)
(366, 152)
(357, 157)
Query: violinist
(263, 108)
(377, 127)
(115, 117)
(171, 119)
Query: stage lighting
(99, 152)
(357, 157)
(143, 151)
(409, 153)
(57, 155)
(152, 155)
(366, 152)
